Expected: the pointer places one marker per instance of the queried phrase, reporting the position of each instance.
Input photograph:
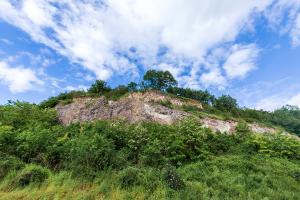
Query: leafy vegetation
(225, 106)
(158, 80)
(41, 159)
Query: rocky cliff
(148, 106)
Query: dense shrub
(7, 139)
(129, 177)
(159, 80)
(172, 179)
(226, 103)
(65, 98)
(31, 174)
(99, 87)
(9, 163)
(90, 153)
(20, 115)
(203, 96)
(117, 92)
(275, 145)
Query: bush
(99, 87)
(166, 103)
(90, 153)
(7, 139)
(275, 145)
(33, 144)
(65, 98)
(172, 179)
(130, 177)
(9, 163)
(31, 174)
(159, 80)
(22, 115)
(203, 96)
(226, 103)
(117, 93)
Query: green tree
(203, 96)
(99, 87)
(159, 80)
(132, 87)
(226, 103)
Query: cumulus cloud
(241, 61)
(284, 16)
(274, 102)
(104, 36)
(295, 100)
(18, 79)
(79, 87)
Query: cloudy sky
(249, 49)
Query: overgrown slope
(42, 159)
(131, 142)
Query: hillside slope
(148, 106)
(103, 158)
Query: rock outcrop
(136, 107)
(133, 108)
(229, 126)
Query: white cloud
(96, 34)
(214, 77)
(284, 17)
(295, 100)
(267, 95)
(6, 41)
(18, 79)
(277, 101)
(79, 87)
(241, 61)
(295, 32)
(271, 103)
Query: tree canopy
(99, 87)
(159, 80)
(226, 103)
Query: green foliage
(288, 117)
(20, 115)
(172, 179)
(65, 98)
(191, 108)
(89, 152)
(239, 177)
(99, 88)
(203, 96)
(132, 87)
(226, 103)
(159, 80)
(166, 103)
(242, 128)
(276, 145)
(117, 92)
(117, 160)
(31, 174)
(9, 163)
(129, 177)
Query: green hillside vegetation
(42, 159)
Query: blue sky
(249, 49)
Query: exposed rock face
(142, 107)
(219, 125)
(230, 126)
(136, 107)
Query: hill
(152, 106)
(149, 143)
